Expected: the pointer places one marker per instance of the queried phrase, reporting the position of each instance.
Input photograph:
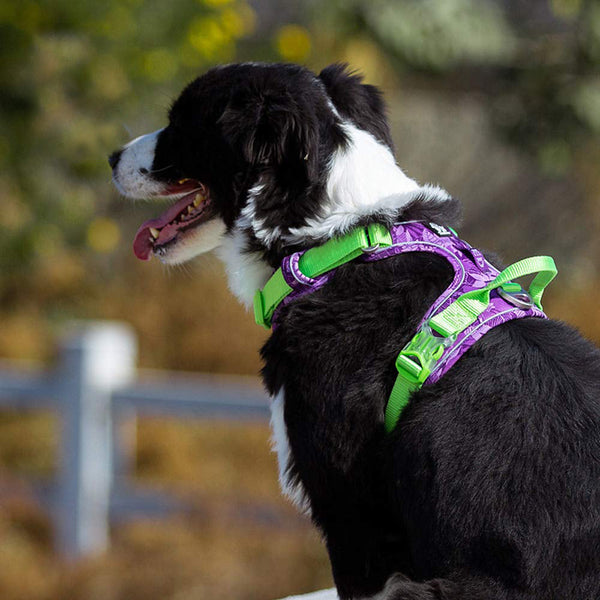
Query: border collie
(489, 487)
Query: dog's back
(491, 479)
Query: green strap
(275, 290)
(401, 393)
(418, 358)
(414, 364)
(465, 310)
(315, 262)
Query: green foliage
(432, 35)
(539, 66)
(77, 79)
(66, 69)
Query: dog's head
(261, 159)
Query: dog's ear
(272, 128)
(360, 102)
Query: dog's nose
(113, 159)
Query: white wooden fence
(94, 388)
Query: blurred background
(498, 101)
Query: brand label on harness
(439, 229)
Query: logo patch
(439, 229)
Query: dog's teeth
(155, 233)
(190, 209)
(181, 181)
(198, 200)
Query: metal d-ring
(370, 249)
(520, 299)
(293, 270)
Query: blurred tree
(78, 79)
(64, 67)
(75, 79)
(537, 61)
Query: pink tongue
(143, 242)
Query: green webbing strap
(418, 358)
(465, 310)
(265, 301)
(315, 262)
(414, 364)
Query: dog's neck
(363, 179)
(363, 182)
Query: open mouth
(190, 210)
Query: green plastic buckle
(417, 359)
(377, 236)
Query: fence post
(95, 358)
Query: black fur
(489, 487)
(241, 121)
(491, 479)
(244, 121)
(362, 104)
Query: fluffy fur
(489, 487)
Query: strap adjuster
(415, 363)
(417, 359)
(377, 235)
(308, 266)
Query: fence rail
(94, 388)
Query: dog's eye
(144, 171)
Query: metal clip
(370, 249)
(514, 294)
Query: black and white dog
(489, 487)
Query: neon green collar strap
(300, 269)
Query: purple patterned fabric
(300, 283)
(471, 272)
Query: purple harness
(471, 272)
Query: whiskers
(174, 270)
(152, 171)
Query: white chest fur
(290, 485)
